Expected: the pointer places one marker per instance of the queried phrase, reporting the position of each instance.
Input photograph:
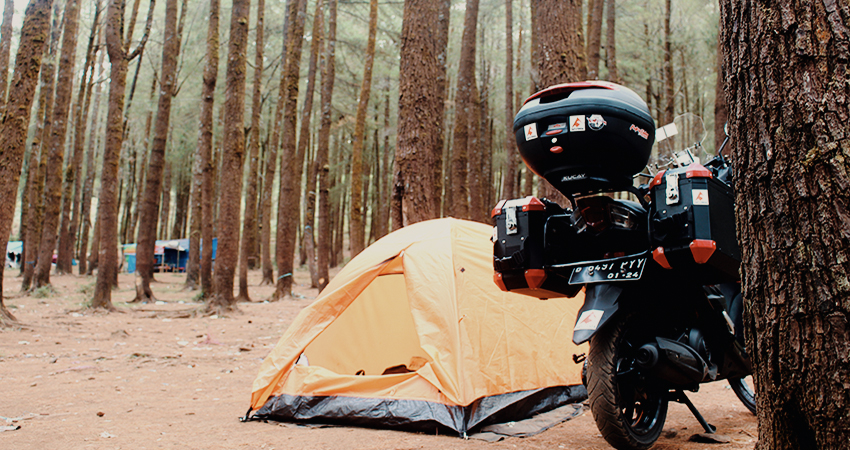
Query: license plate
(621, 269)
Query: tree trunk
(56, 145)
(594, 36)
(165, 202)
(148, 219)
(611, 41)
(5, 49)
(290, 166)
(421, 110)
(386, 173)
(205, 149)
(233, 152)
(669, 87)
(88, 186)
(304, 137)
(106, 227)
(249, 225)
(356, 230)
(511, 154)
(458, 197)
(790, 121)
(721, 110)
(71, 187)
(13, 128)
(561, 56)
(328, 75)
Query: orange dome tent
(414, 333)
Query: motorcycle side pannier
(585, 137)
(519, 256)
(692, 225)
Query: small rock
(670, 433)
(100, 414)
(712, 438)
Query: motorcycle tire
(744, 393)
(629, 412)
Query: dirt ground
(145, 378)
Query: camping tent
(414, 333)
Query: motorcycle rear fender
(600, 304)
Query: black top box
(585, 137)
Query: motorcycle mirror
(726, 128)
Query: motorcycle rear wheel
(744, 393)
(629, 412)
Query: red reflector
(553, 132)
(556, 149)
(660, 258)
(696, 170)
(497, 278)
(533, 204)
(498, 209)
(657, 180)
(702, 249)
(535, 278)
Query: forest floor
(148, 378)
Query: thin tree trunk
(325, 225)
(165, 202)
(511, 154)
(669, 86)
(290, 166)
(56, 145)
(148, 219)
(721, 109)
(233, 152)
(611, 41)
(5, 50)
(249, 235)
(13, 129)
(106, 226)
(88, 186)
(356, 232)
(790, 118)
(421, 115)
(386, 179)
(458, 197)
(205, 149)
(595, 10)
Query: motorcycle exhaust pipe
(672, 361)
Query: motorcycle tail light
(595, 217)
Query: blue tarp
(173, 253)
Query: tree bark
(249, 228)
(511, 153)
(148, 220)
(356, 225)
(165, 202)
(421, 110)
(721, 110)
(595, 10)
(5, 49)
(56, 144)
(290, 166)
(233, 152)
(88, 185)
(328, 74)
(611, 41)
(669, 86)
(787, 88)
(106, 227)
(13, 128)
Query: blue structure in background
(171, 255)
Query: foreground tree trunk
(611, 41)
(13, 128)
(791, 121)
(418, 181)
(249, 228)
(5, 49)
(233, 153)
(56, 145)
(148, 219)
(106, 227)
(290, 167)
(594, 37)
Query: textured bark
(205, 149)
(386, 180)
(71, 185)
(595, 10)
(421, 110)
(106, 227)
(165, 202)
(788, 103)
(249, 228)
(458, 196)
(721, 110)
(304, 138)
(669, 82)
(233, 153)
(290, 166)
(561, 54)
(56, 144)
(611, 41)
(511, 153)
(356, 223)
(148, 220)
(328, 75)
(88, 185)
(13, 128)
(5, 48)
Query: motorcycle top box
(585, 137)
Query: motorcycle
(658, 262)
